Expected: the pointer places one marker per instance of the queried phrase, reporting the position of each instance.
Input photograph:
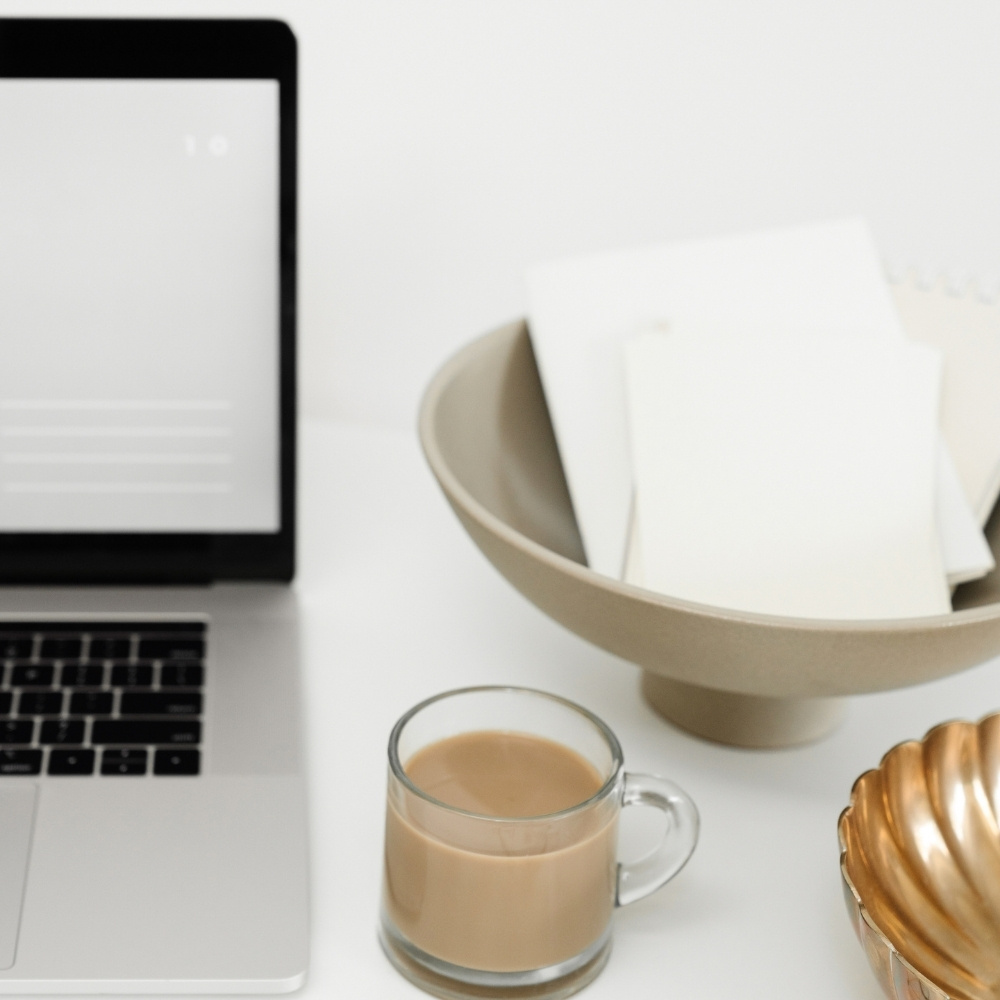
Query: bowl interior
(496, 436)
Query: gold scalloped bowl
(920, 859)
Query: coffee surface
(503, 774)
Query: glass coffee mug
(501, 874)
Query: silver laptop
(152, 796)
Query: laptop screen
(147, 234)
(139, 305)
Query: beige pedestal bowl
(739, 678)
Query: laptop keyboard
(116, 699)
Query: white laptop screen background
(139, 306)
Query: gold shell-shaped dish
(920, 859)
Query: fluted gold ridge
(920, 859)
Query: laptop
(152, 794)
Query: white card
(787, 475)
(824, 279)
(967, 332)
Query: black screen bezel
(144, 49)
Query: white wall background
(448, 144)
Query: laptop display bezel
(157, 49)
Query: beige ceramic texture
(920, 860)
(736, 677)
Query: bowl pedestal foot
(745, 720)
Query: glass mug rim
(609, 785)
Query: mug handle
(640, 878)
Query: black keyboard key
(20, 761)
(16, 647)
(125, 761)
(146, 731)
(102, 648)
(61, 648)
(177, 648)
(33, 675)
(132, 675)
(176, 762)
(61, 731)
(71, 761)
(16, 730)
(40, 703)
(81, 675)
(174, 674)
(160, 703)
(5, 701)
(90, 703)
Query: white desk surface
(399, 604)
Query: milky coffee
(500, 896)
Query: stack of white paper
(787, 476)
(817, 284)
(966, 332)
